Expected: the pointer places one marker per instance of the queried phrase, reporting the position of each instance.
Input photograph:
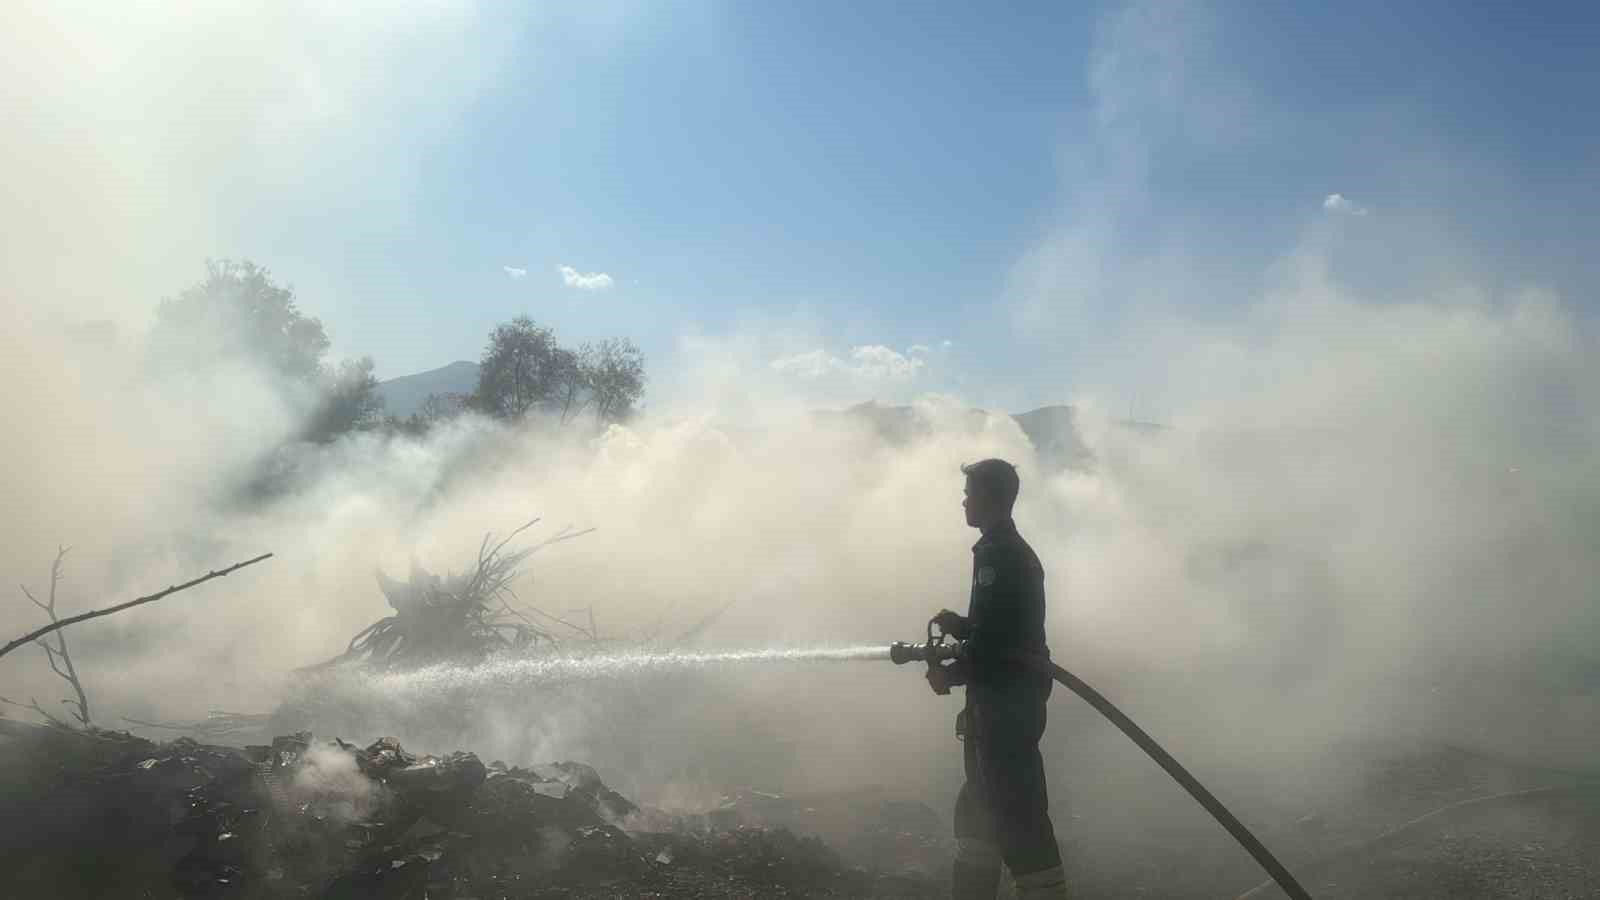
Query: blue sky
(803, 179)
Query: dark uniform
(1003, 808)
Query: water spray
(939, 648)
(511, 673)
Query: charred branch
(59, 657)
(458, 617)
(97, 613)
(34, 706)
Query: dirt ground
(128, 818)
(1430, 822)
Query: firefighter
(1002, 813)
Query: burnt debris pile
(110, 814)
(457, 617)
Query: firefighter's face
(973, 503)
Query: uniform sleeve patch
(986, 576)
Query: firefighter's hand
(938, 680)
(951, 623)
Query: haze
(1340, 266)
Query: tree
(574, 387)
(436, 410)
(524, 368)
(520, 369)
(238, 311)
(615, 378)
(349, 402)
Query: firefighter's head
(992, 486)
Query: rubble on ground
(871, 827)
(109, 814)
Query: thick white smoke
(1367, 510)
(1370, 513)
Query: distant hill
(404, 395)
(1055, 436)
(1051, 429)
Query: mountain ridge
(1051, 429)
(404, 395)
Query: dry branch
(33, 704)
(455, 617)
(97, 613)
(58, 656)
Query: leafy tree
(438, 408)
(520, 369)
(574, 387)
(240, 313)
(524, 369)
(615, 378)
(237, 312)
(349, 402)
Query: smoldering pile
(108, 814)
(457, 618)
(391, 677)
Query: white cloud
(515, 272)
(1337, 203)
(878, 361)
(811, 364)
(945, 344)
(873, 361)
(918, 349)
(585, 281)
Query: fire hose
(937, 650)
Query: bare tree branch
(457, 617)
(59, 657)
(50, 656)
(71, 674)
(558, 620)
(532, 522)
(33, 704)
(96, 613)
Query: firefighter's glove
(945, 676)
(951, 623)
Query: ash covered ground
(116, 816)
(107, 814)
